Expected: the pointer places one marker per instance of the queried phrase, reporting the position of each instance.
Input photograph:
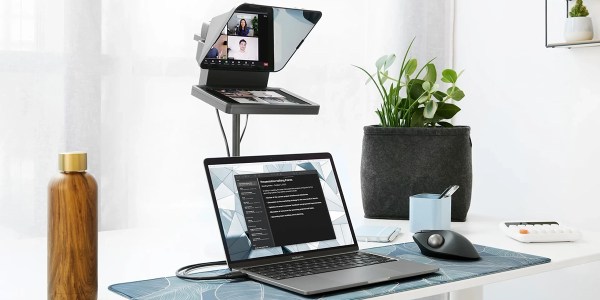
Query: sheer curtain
(36, 86)
(113, 78)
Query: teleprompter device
(236, 53)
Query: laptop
(284, 222)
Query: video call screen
(243, 43)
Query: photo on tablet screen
(256, 96)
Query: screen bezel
(280, 257)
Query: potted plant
(255, 25)
(578, 26)
(414, 149)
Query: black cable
(244, 131)
(223, 132)
(184, 272)
(225, 136)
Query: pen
(448, 191)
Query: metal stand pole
(235, 136)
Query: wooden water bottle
(73, 230)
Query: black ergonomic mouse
(445, 244)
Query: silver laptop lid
(279, 207)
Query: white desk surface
(137, 254)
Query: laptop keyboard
(319, 265)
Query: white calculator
(540, 232)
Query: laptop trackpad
(375, 273)
(336, 280)
(369, 274)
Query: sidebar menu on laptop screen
(284, 208)
(279, 207)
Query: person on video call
(242, 29)
(219, 49)
(242, 54)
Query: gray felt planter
(399, 162)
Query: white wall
(534, 114)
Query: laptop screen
(276, 207)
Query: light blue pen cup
(427, 212)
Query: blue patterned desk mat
(493, 260)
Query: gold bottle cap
(72, 162)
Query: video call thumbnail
(219, 49)
(242, 24)
(238, 40)
(243, 48)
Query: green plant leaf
(446, 111)
(439, 95)
(445, 124)
(403, 66)
(426, 86)
(380, 62)
(422, 99)
(449, 76)
(415, 89)
(411, 66)
(579, 10)
(431, 74)
(430, 109)
(389, 61)
(403, 102)
(455, 93)
(458, 95)
(417, 119)
(391, 95)
(381, 117)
